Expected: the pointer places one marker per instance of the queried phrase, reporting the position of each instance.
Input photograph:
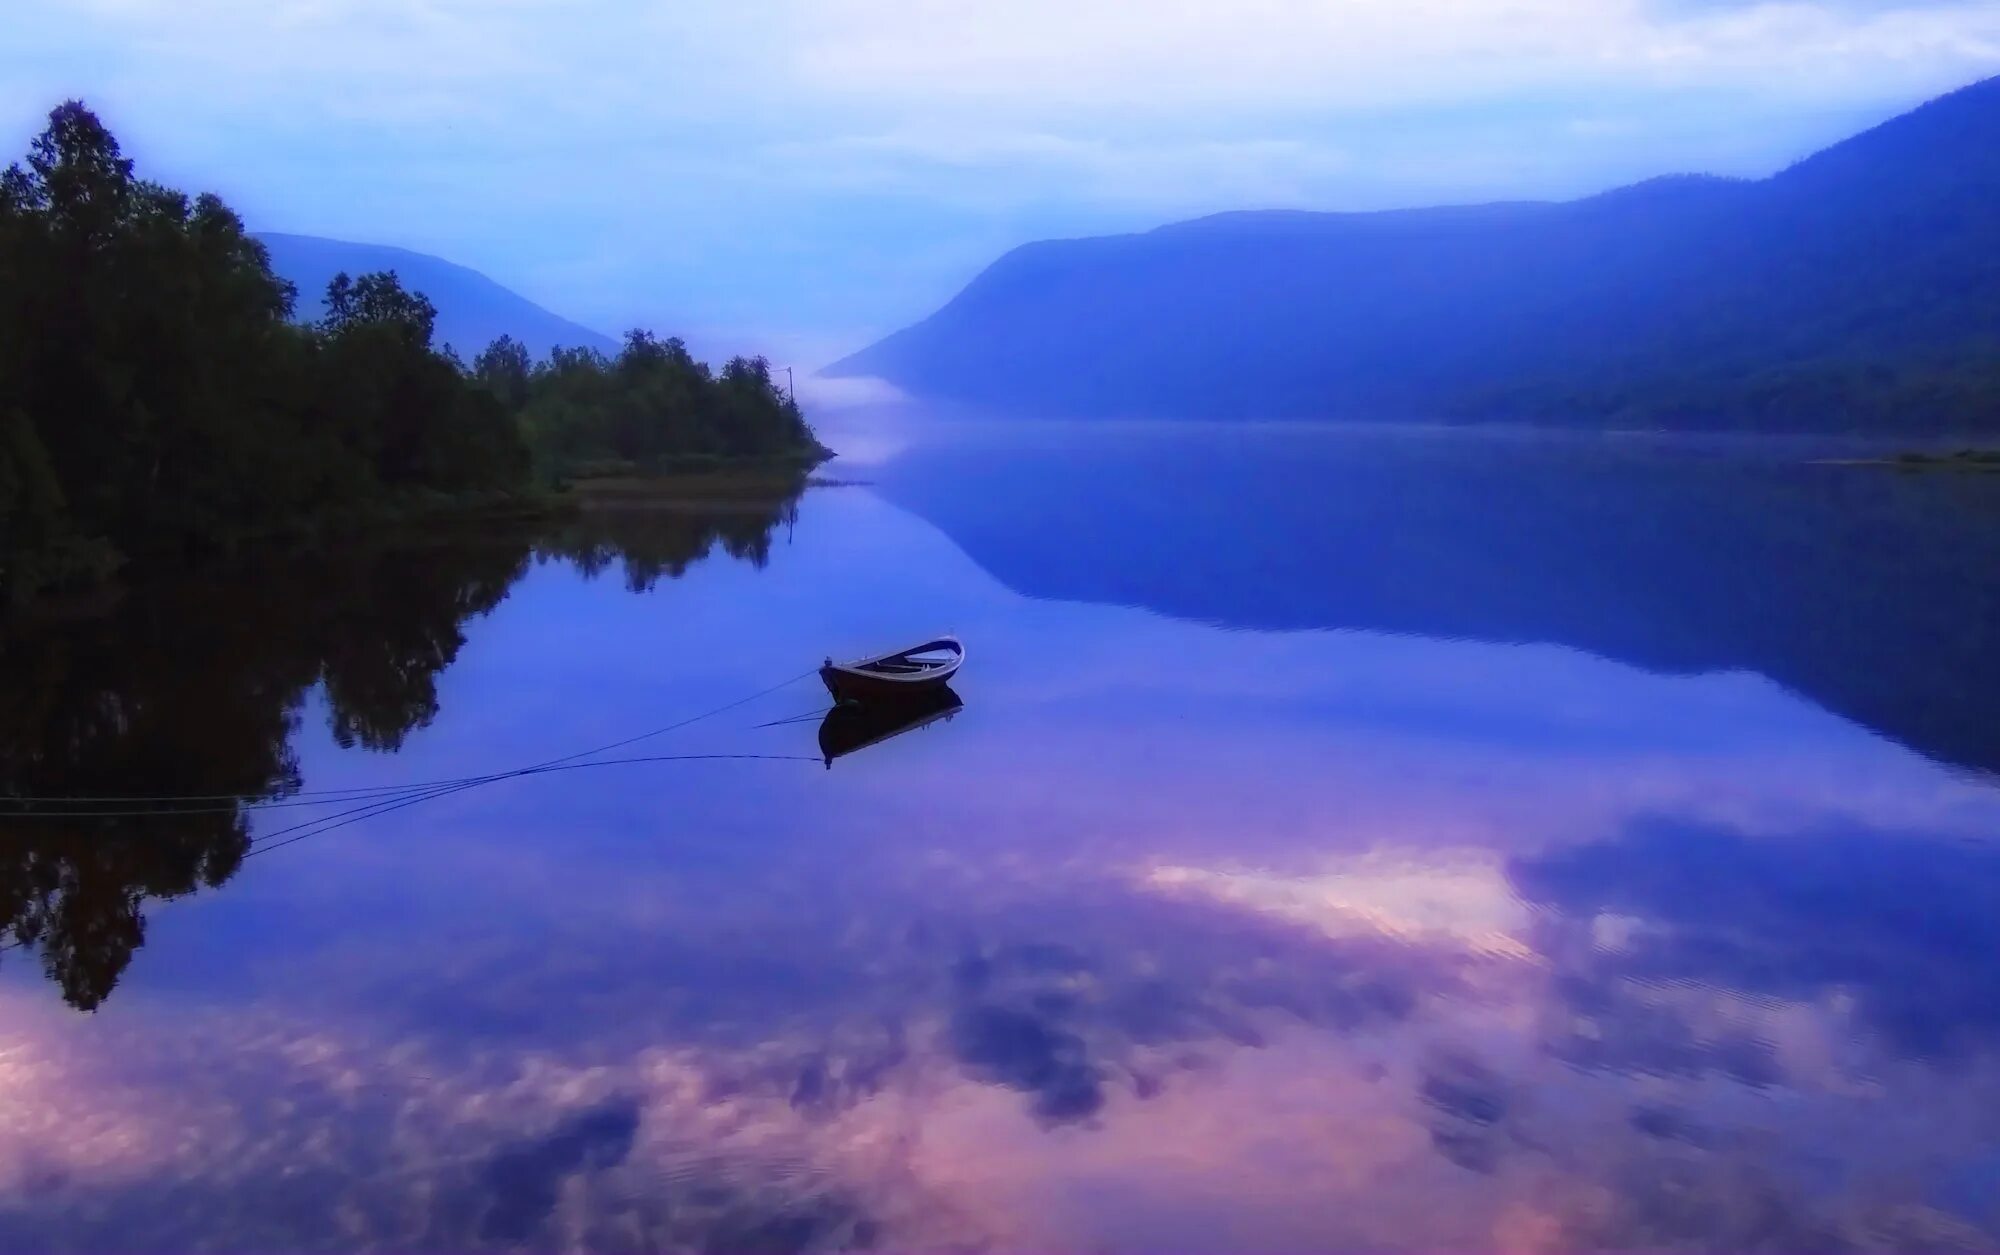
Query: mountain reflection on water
(1872, 593)
(195, 688)
(1203, 930)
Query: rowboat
(852, 727)
(895, 676)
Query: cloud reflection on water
(1343, 941)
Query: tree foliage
(653, 407)
(157, 396)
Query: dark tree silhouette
(654, 407)
(157, 398)
(504, 368)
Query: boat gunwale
(931, 674)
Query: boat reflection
(852, 727)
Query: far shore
(1962, 461)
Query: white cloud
(1120, 171)
(826, 166)
(1058, 55)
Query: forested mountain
(472, 310)
(1859, 289)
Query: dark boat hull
(895, 677)
(859, 686)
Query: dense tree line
(653, 407)
(158, 398)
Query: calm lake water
(1360, 841)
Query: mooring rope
(392, 796)
(807, 717)
(325, 824)
(383, 806)
(378, 800)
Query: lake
(1349, 840)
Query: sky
(799, 176)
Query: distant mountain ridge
(473, 310)
(1858, 289)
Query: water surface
(1348, 841)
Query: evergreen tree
(156, 397)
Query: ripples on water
(1348, 841)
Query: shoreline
(719, 484)
(419, 515)
(1962, 461)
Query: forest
(158, 399)
(651, 408)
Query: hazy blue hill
(1858, 288)
(473, 311)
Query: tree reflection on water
(195, 688)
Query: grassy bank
(695, 479)
(735, 484)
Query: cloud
(1830, 911)
(811, 171)
(1041, 165)
(1467, 902)
(1057, 55)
